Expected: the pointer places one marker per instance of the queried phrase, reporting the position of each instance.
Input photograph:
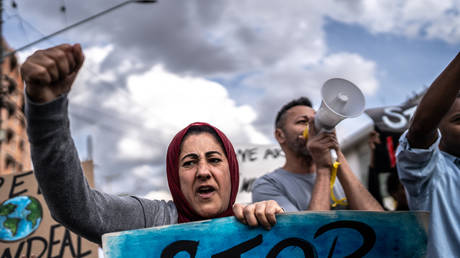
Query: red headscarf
(186, 213)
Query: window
(13, 62)
(10, 107)
(9, 135)
(9, 161)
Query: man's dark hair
(302, 101)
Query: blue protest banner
(301, 234)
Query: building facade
(14, 145)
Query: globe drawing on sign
(19, 217)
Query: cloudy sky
(153, 68)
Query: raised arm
(49, 75)
(434, 105)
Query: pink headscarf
(186, 213)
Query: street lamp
(71, 26)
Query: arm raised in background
(434, 105)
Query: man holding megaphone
(307, 181)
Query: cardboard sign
(26, 225)
(255, 161)
(302, 234)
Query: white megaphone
(340, 99)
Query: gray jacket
(72, 202)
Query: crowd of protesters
(202, 168)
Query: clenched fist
(50, 73)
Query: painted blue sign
(302, 234)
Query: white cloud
(415, 18)
(130, 146)
(294, 81)
(353, 67)
(147, 77)
(132, 127)
(168, 102)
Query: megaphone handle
(333, 156)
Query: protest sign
(390, 122)
(26, 225)
(255, 161)
(393, 119)
(301, 234)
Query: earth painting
(19, 217)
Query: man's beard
(299, 147)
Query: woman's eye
(214, 160)
(188, 163)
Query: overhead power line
(72, 25)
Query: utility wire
(7, 16)
(80, 117)
(21, 24)
(31, 26)
(114, 130)
(93, 121)
(121, 90)
(104, 113)
(90, 120)
(18, 15)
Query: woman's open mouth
(205, 191)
